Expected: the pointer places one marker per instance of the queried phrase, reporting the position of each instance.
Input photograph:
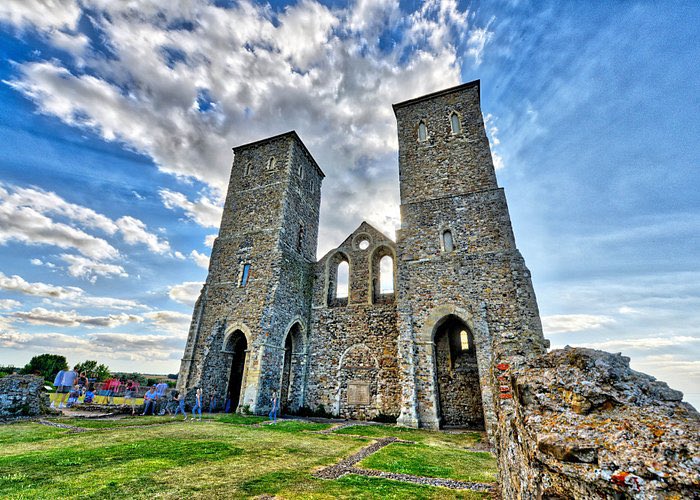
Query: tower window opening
(300, 172)
(422, 132)
(300, 238)
(271, 163)
(245, 274)
(454, 122)
(464, 340)
(447, 241)
(247, 169)
(342, 280)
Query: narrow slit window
(300, 238)
(447, 241)
(456, 125)
(271, 163)
(300, 172)
(247, 169)
(245, 275)
(422, 132)
(464, 340)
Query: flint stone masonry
(269, 320)
(582, 424)
(22, 396)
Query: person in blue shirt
(160, 391)
(68, 379)
(149, 401)
(89, 395)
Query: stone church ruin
(451, 337)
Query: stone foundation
(22, 396)
(579, 423)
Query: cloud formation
(563, 323)
(177, 87)
(43, 316)
(185, 293)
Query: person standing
(57, 383)
(273, 411)
(161, 387)
(197, 403)
(67, 381)
(132, 389)
(212, 400)
(180, 399)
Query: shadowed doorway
(292, 377)
(237, 346)
(457, 375)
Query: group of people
(73, 388)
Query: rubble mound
(588, 426)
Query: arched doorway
(237, 346)
(457, 375)
(292, 370)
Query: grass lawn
(218, 457)
(435, 438)
(433, 461)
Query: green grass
(234, 418)
(92, 423)
(435, 438)
(296, 426)
(27, 433)
(431, 461)
(192, 459)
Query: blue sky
(117, 123)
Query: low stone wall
(22, 396)
(582, 424)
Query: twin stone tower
(420, 344)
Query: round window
(363, 245)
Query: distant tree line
(48, 365)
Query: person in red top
(111, 386)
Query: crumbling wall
(582, 424)
(21, 396)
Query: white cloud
(186, 293)
(172, 322)
(18, 284)
(642, 343)
(7, 304)
(107, 303)
(42, 316)
(46, 15)
(202, 260)
(28, 225)
(134, 231)
(209, 240)
(204, 211)
(565, 323)
(82, 267)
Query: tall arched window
(271, 163)
(422, 131)
(247, 169)
(300, 172)
(386, 274)
(454, 122)
(342, 280)
(447, 242)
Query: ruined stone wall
(353, 365)
(22, 396)
(583, 425)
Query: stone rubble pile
(582, 424)
(22, 396)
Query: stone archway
(237, 345)
(458, 389)
(291, 385)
